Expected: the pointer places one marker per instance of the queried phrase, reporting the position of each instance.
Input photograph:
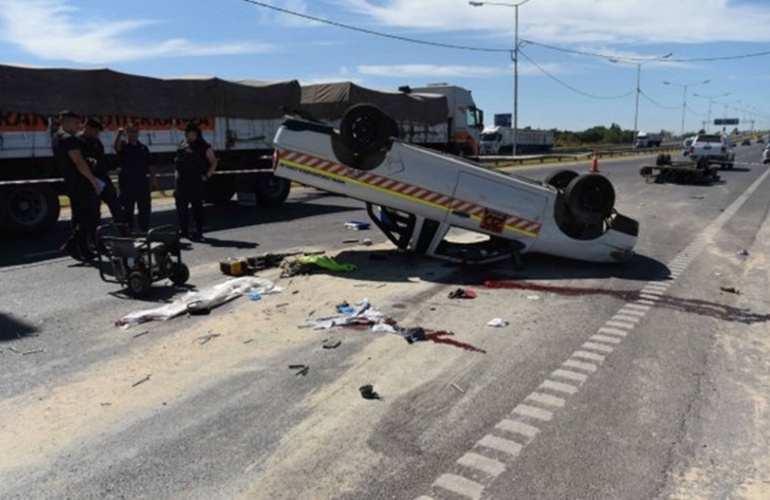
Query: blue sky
(234, 39)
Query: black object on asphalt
(368, 392)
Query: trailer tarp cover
(106, 92)
(328, 101)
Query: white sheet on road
(205, 299)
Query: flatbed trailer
(680, 172)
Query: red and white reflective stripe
(401, 188)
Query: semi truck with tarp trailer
(238, 119)
(438, 116)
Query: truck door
(500, 206)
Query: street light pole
(515, 65)
(711, 102)
(639, 87)
(684, 97)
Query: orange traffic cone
(595, 162)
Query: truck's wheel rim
(27, 207)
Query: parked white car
(766, 155)
(416, 195)
(714, 149)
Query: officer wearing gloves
(93, 150)
(195, 164)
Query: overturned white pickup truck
(416, 195)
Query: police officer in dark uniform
(81, 184)
(136, 178)
(93, 150)
(195, 164)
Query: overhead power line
(570, 87)
(376, 33)
(653, 101)
(491, 49)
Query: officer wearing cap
(81, 184)
(136, 178)
(195, 164)
(93, 149)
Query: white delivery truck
(498, 140)
(648, 140)
(416, 195)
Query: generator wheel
(138, 283)
(180, 273)
(561, 179)
(365, 128)
(590, 198)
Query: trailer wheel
(590, 198)
(272, 191)
(28, 208)
(365, 128)
(219, 189)
(561, 179)
(138, 284)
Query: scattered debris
(362, 313)
(462, 293)
(497, 322)
(730, 289)
(201, 302)
(533, 297)
(283, 304)
(697, 197)
(366, 242)
(367, 392)
(248, 341)
(13, 349)
(33, 351)
(105, 404)
(141, 333)
(357, 225)
(344, 308)
(331, 343)
(208, 337)
(234, 266)
(138, 382)
(255, 297)
(350, 241)
(742, 253)
(308, 264)
(458, 388)
(301, 369)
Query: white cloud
(584, 21)
(453, 71)
(68, 37)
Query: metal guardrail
(578, 154)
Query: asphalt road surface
(647, 379)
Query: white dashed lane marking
(572, 375)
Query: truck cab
(465, 121)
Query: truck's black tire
(28, 208)
(219, 189)
(561, 179)
(272, 191)
(590, 198)
(365, 128)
